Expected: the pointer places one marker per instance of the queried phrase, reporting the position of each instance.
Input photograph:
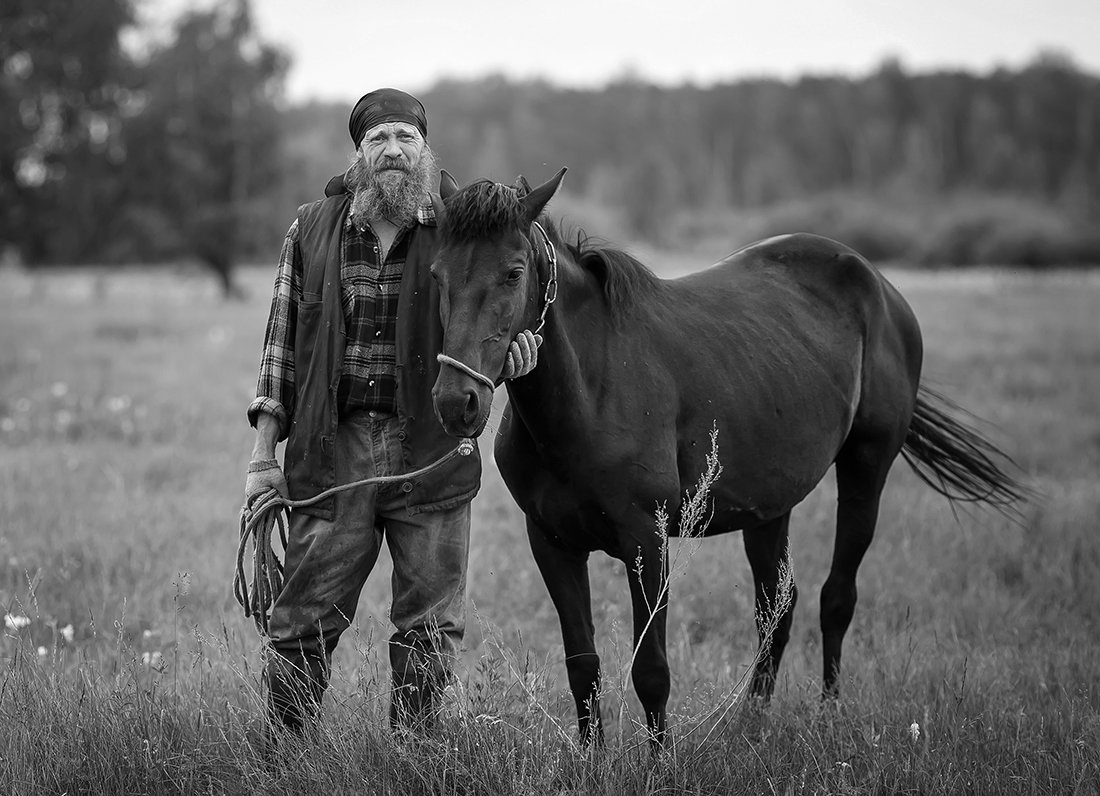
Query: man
(346, 375)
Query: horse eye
(515, 275)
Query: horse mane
(486, 209)
(482, 210)
(625, 279)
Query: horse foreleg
(768, 554)
(648, 576)
(566, 576)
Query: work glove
(263, 475)
(523, 355)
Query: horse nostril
(473, 408)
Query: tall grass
(128, 669)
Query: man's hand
(263, 475)
(523, 355)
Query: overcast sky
(342, 48)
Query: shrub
(987, 230)
(873, 228)
(962, 230)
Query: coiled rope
(258, 522)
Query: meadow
(972, 665)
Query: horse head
(493, 269)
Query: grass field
(972, 665)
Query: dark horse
(795, 347)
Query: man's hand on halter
(523, 355)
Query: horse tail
(954, 459)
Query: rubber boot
(420, 672)
(296, 682)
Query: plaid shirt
(369, 292)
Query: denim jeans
(327, 564)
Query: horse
(795, 348)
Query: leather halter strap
(549, 298)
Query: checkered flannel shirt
(368, 380)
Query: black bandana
(385, 105)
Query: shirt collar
(425, 214)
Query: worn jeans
(327, 564)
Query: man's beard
(388, 193)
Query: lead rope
(258, 521)
(549, 298)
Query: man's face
(392, 148)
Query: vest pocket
(306, 334)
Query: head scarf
(385, 105)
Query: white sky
(343, 48)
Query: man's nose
(392, 149)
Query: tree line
(188, 148)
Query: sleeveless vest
(318, 363)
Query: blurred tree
(203, 156)
(63, 86)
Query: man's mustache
(394, 163)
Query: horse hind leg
(766, 547)
(861, 469)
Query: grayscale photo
(560, 399)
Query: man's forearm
(267, 434)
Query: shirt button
(371, 413)
(378, 333)
(370, 383)
(407, 486)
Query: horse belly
(775, 442)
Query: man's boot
(420, 672)
(295, 683)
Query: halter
(552, 284)
(549, 298)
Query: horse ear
(522, 186)
(447, 184)
(537, 198)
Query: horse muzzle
(462, 405)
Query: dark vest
(319, 357)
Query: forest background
(183, 148)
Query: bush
(962, 230)
(985, 230)
(873, 228)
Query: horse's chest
(568, 511)
(582, 505)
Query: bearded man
(348, 365)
